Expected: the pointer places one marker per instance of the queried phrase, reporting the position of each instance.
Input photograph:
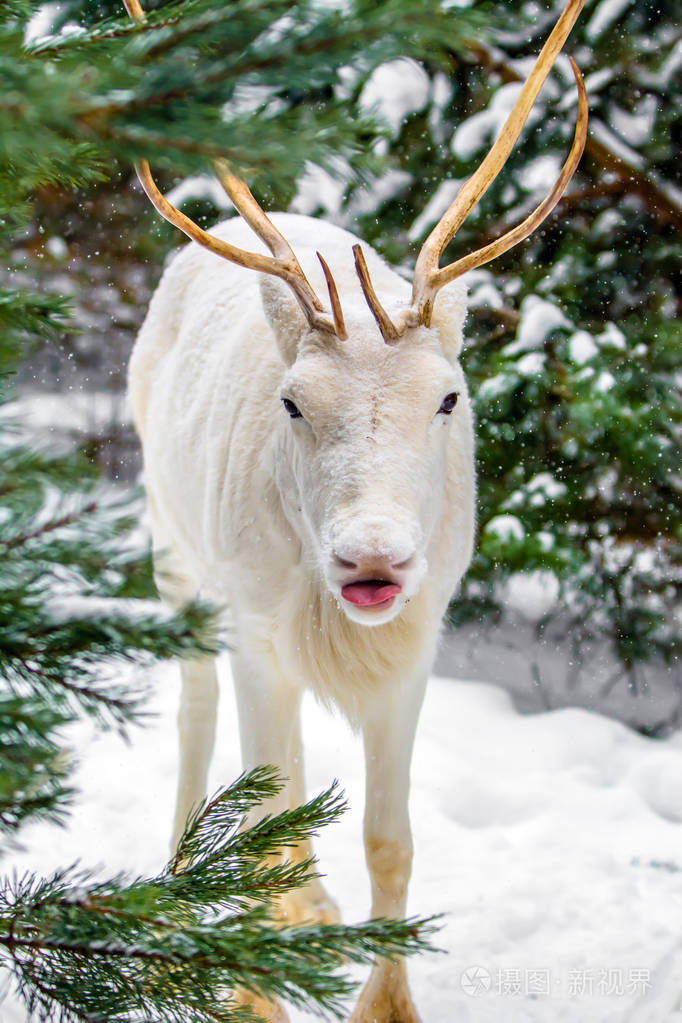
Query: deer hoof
(386, 997)
(272, 1012)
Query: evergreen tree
(72, 104)
(573, 338)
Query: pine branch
(239, 69)
(144, 949)
(49, 527)
(29, 313)
(656, 194)
(172, 99)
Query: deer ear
(284, 315)
(448, 316)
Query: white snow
(483, 292)
(539, 171)
(57, 247)
(636, 126)
(41, 23)
(507, 527)
(604, 16)
(493, 386)
(598, 79)
(606, 259)
(551, 843)
(54, 415)
(538, 318)
(606, 484)
(388, 186)
(670, 67)
(546, 484)
(482, 128)
(201, 186)
(605, 381)
(612, 335)
(62, 607)
(435, 207)
(396, 89)
(441, 89)
(616, 144)
(531, 594)
(582, 346)
(318, 189)
(531, 365)
(607, 221)
(543, 487)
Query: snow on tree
(574, 337)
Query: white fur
(255, 509)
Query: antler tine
(259, 222)
(479, 182)
(292, 274)
(339, 323)
(540, 213)
(389, 331)
(256, 217)
(282, 263)
(251, 260)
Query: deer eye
(448, 403)
(291, 409)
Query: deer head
(368, 432)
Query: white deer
(314, 472)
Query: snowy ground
(552, 843)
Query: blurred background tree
(572, 337)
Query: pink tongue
(369, 593)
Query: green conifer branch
(176, 946)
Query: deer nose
(373, 547)
(370, 563)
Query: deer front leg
(388, 739)
(196, 732)
(267, 708)
(313, 903)
(199, 692)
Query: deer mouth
(371, 593)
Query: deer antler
(339, 324)
(389, 331)
(282, 263)
(428, 279)
(438, 278)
